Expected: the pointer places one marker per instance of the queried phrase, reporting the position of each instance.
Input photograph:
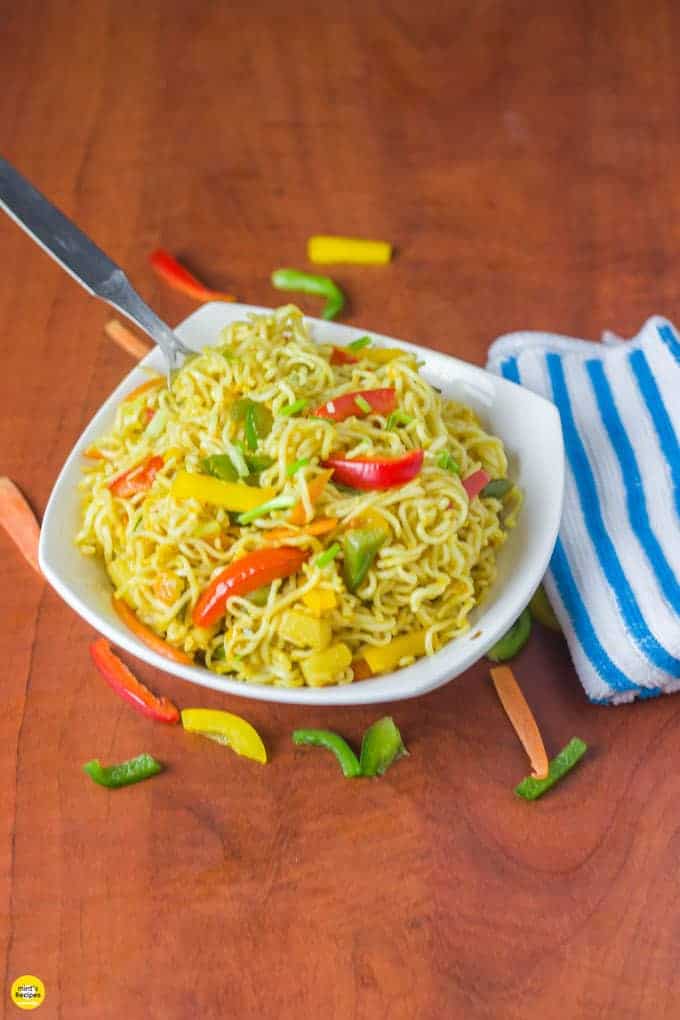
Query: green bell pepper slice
(381, 746)
(144, 766)
(359, 549)
(512, 642)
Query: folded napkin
(614, 577)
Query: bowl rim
(426, 673)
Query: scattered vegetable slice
(290, 410)
(512, 642)
(447, 462)
(521, 717)
(383, 658)
(174, 273)
(293, 468)
(542, 611)
(360, 343)
(124, 683)
(282, 502)
(146, 635)
(475, 482)
(220, 465)
(532, 787)
(244, 576)
(309, 283)
(150, 384)
(321, 526)
(360, 548)
(347, 759)
(136, 479)
(325, 248)
(381, 746)
(398, 418)
(231, 495)
(340, 356)
(225, 728)
(370, 473)
(315, 489)
(328, 555)
(381, 401)
(496, 488)
(19, 522)
(144, 766)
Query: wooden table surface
(524, 160)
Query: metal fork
(85, 262)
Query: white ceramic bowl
(529, 427)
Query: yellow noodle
(435, 568)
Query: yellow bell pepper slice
(386, 657)
(320, 601)
(323, 668)
(304, 630)
(230, 495)
(225, 728)
(383, 355)
(324, 249)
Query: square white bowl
(529, 427)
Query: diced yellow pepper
(325, 667)
(305, 631)
(225, 728)
(325, 249)
(386, 657)
(230, 495)
(320, 600)
(383, 355)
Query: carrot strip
(522, 719)
(19, 522)
(319, 527)
(146, 635)
(315, 488)
(126, 339)
(150, 384)
(92, 453)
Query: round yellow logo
(28, 992)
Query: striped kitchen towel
(614, 578)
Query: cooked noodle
(161, 552)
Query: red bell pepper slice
(475, 482)
(123, 682)
(179, 278)
(376, 472)
(381, 401)
(136, 479)
(340, 356)
(244, 576)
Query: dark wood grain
(523, 158)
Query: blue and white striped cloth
(614, 578)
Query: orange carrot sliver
(150, 384)
(92, 453)
(146, 635)
(315, 488)
(521, 717)
(319, 527)
(19, 522)
(126, 339)
(361, 670)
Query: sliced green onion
(363, 404)
(293, 468)
(531, 788)
(328, 555)
(235, 455)
(447, 463)
(363, 341)
(250, 429)
(291, 409)
(398, 418)
(277, 503)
